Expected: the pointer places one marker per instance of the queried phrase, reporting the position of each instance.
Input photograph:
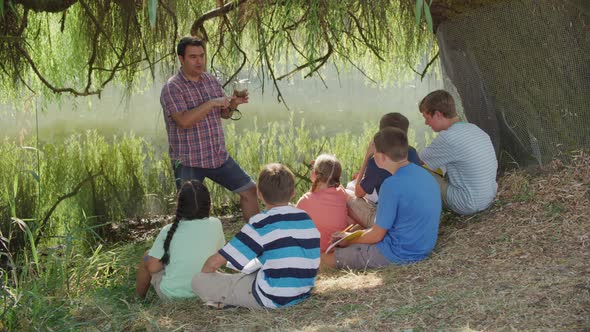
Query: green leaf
(419, 5)
(152, 10)
(15, 186)
(428, 17)
(35, 175)
(1, 8)
(24, 227)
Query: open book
(349, 237)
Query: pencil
(347, 228)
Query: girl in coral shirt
(326, 201)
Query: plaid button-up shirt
(203, 144)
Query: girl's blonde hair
(327, 169)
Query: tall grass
(119, 179)
(56, 209)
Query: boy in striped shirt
(466, 153)
(285, 241)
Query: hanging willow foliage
(77, 47)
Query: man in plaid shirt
(194, 104)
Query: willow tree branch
(20, 78)
(264, 51)
(121, 56)
(143, 45)
(24, 23)
(322, 61)
(91, 60)
(175, 20)
(27, 57)
(423, 73)
(98, 26)
(50, 6)
(357, 67)
(217, 12)
(244, 56)
(59, 200)
(359, 28)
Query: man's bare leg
(249, 203)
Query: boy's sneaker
(219, 305)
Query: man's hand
(235, 101)
(223, 102)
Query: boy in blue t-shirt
(285, 241)
(362, 206)
(406, 226)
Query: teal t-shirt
(193, 242)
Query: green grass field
(524, 264)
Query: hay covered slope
(524, 264)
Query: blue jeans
(229, 175)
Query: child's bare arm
(358, 190)
(371, 236)
(214, 262)
(153, 264)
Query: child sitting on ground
(406, 227)
(326, 201)
(181, 248)
(362, 207)
(464, 150)
(285, 241)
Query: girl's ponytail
(194, 202)
(166, 258)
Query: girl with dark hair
(326, 201)
(181, 248)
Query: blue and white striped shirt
(467, 154)
(287, 244)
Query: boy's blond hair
(439, 100)
(276, 184)
(392, 142)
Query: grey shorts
(443, 184)
(360, 257)
(230, 289)
(156, 281)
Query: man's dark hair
(395, 120)
(392, 142)
(188, 41)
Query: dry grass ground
(522, 265)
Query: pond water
(347, 104)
